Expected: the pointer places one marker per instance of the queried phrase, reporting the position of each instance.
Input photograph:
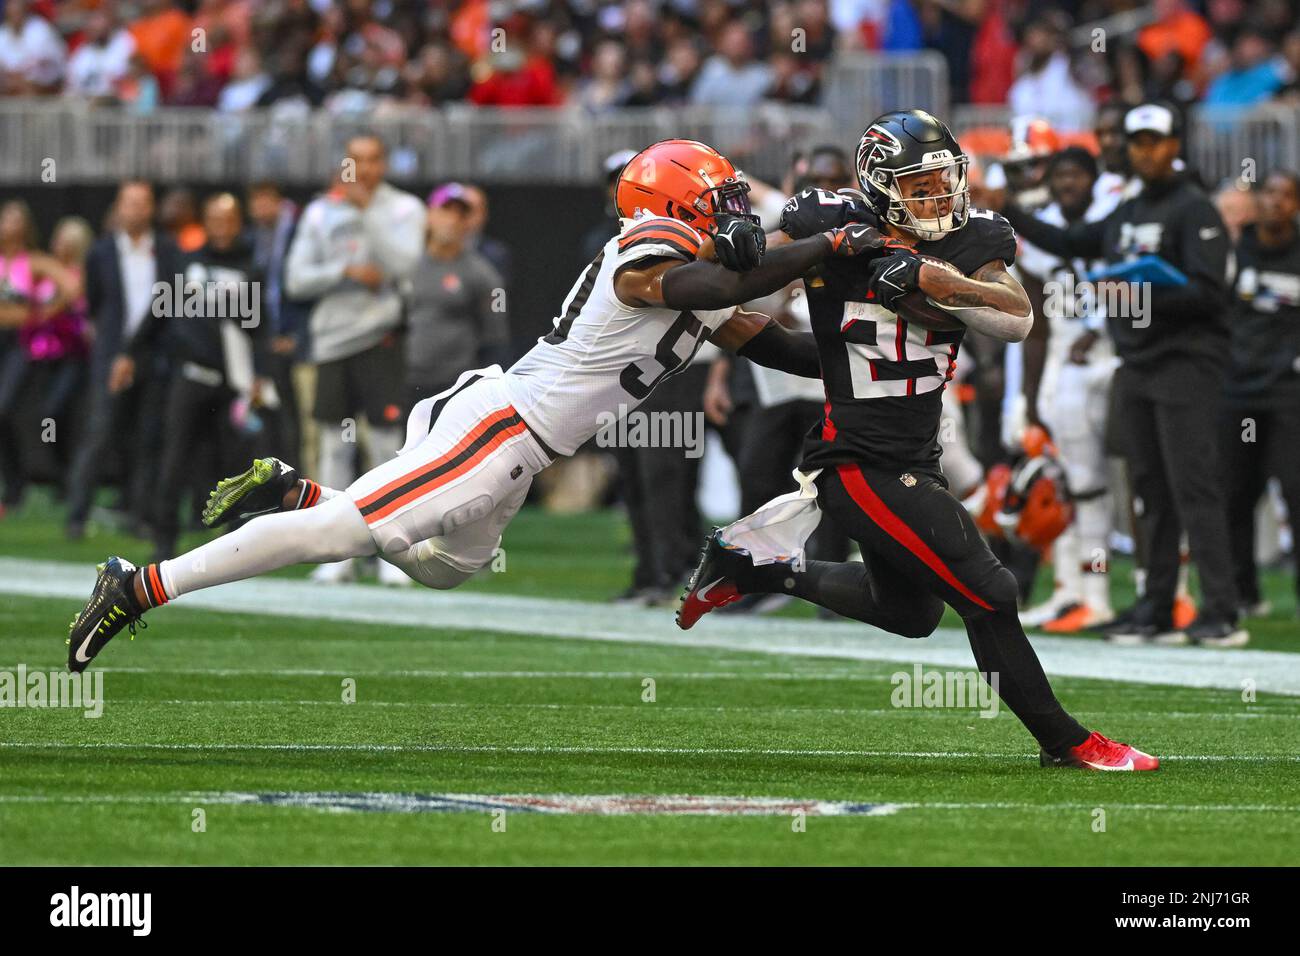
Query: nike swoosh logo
(1126, 765)
(81, 651)
(254, 514)
(703, 593)
(1209, 232)
(884, 276)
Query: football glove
(812, 210)
(857, 238)
(891, 277)
(739, 242)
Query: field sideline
(241, 715)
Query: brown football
(917, 308)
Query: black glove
(857, 238)
(739, 242)
(891, 277)
(814, 210)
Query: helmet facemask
(730, 199)
(929, 199)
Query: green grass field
(222, 711)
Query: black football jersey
(884, 377)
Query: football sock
(840, 586)
(309, 493)
(331, 531)
(1001, 648)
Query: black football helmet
(906, 143)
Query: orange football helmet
(1037, 507)
(684, 180)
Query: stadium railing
(65, 142)
(72, 143)
(1222, 143)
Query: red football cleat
(1102, 753)
(711, 587)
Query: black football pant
(1257, 443)
(921, 550)
(1170, 435)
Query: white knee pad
(423, 563)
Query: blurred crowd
(1054, 59)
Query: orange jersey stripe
(436, 483)
(661, 230)
(483, 425)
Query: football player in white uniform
(1072, 400)
(637, 314)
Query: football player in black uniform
(876, 452)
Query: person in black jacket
(210, 326)
(1173, 342)
(1261, 430)
(120, 273)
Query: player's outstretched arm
(766, 342)
(705, 286)
(990, 300)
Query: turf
(213, 703)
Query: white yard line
(1271, 672)
(399, 801)
(595, 751)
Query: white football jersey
(603, 358)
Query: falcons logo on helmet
(877, 143)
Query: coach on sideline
(355, 246)
(1173, 343)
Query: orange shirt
(162, 39)
(1185, 34)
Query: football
(919, 309)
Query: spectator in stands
(1046, 86)
(678, 71)
(139, 91)
(1178, 29)
(102, 60)
(161, 36)
(32, 54)
(732, 77)
(438, 75)
(1254, 74)
(247, 83)
(124, 410)
(195, 85)
(40, 325)
(456, 316)
(608, 85)
(355, 246)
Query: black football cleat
(716, 581)
(258, 491)
(112, 606)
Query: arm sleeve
(707, 285)
(785, 351)
(307, 273)
(1083, 239)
